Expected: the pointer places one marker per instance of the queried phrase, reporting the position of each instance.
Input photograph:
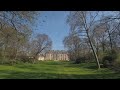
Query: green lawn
(56, 70)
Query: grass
(56, 70)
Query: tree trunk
(15, 54)
(93, 50)
(97, 49)
(111, 46)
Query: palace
(54, 55)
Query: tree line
(94, 36)
(16, 41)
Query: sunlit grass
(56, 70)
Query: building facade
(57, 55)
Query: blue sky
(53, 23)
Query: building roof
(57, 51)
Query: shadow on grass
(54, 62)
(41, 66)
(37, 68)
(83, 65)
(31, 67)
(9, 74)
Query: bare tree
(72, 44)
(84, 20)
(41, 44)
(15, 29)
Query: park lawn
(56, 70)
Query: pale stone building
(41, 57)
(55, 55)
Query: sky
(53, 23)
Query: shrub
(7, 61)
(88, 57)
(27, 59)
(79, 60)
(109, 58)
(20, 59)
(116, 64)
